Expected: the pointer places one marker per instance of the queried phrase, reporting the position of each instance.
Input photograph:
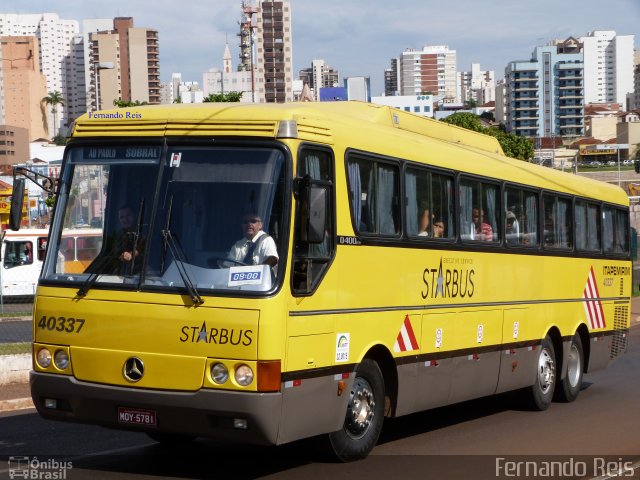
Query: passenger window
(615, 230)
(587, 226)
(429, 202)
(558, 224)
(42, 247)
(374, 190)
(479, 210)
(521, 217)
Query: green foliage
(513, 145)
(14, 348)
(223, 97)
(487, 116)
(60, 140)
(123, 103)
(465, 120)
(54, 99)
(637, 157)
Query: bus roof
(363, 126)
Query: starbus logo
(455, 280)
(218, 336)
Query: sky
(358, 37)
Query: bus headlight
(244, 375)
(219, 373)
(61, 360)
(43, 357)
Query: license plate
(137, 416)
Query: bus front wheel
(569, 387)
(540, 394)
(365, 415)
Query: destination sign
(121, 153)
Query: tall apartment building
(126, 64)
(635, 97)
(545, 96)
(608, 66)
(391, 76)
(55, 43)
(476, 85)
(319, 75)
(24, 87)
(431, 70)
(274, 50)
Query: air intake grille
(620, 325)
(621, 286)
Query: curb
(15, 368)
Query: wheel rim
(361, 409)
(573, 366)
(546, 371)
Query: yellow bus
(405, 264)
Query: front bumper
(206, 413)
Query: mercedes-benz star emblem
(133, 369)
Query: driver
(257, 247)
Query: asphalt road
(478, 439)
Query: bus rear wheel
(569, 387)
(540, 394)
(365, 415)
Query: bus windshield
(195, 218)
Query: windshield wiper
(179, 257)
(113, 255)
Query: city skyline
(354, 40)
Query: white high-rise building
(608, 66)
(274, 52)
(55, 37)
(476, 85)
(430, 71)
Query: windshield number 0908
(61, 324)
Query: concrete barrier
(15, 368)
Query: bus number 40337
(61, 324)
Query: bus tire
(568, 388)
(365, 415)
(540, 394)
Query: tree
(54, 99)
(471, 104)
(223, 97)
(120, 103)
(512, 145)
(465, 120)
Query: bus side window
(18, 253)
(42, 247)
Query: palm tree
(54, 99)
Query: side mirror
(316, 215)
(17, 202)
(312, 197)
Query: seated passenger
(425, 220)
(512, 228)
(438, 227)
(481, 230)
(257, 247)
